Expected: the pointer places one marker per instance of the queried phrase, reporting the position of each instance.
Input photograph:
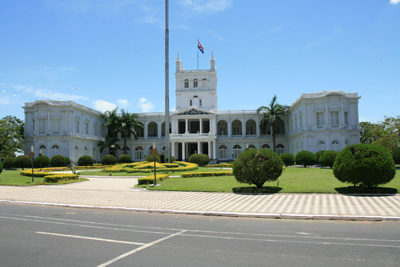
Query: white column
(229, 128)
(146, 125)
(209, 149)
(214, 150)
(186, 126)
(173, 149)
(159, 124)
(199, 147)
(258, 127)
(201, 125)
(243, 128)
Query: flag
(200, 47)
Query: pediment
(193, 111)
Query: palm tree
(272, 115)
(128, 126)
(112, 122)
(111, 144)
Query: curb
(219, 213)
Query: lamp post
(32, 155)
(40, 159)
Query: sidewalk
(120, 193)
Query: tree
(109, 143)
(385, 133)
(370, 132)
(112, 122)
(11, 136)
(128, 124)
(305, 158)
(272, 115)
(257, 166)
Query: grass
(12, 177)
(293, 180)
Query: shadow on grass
(355, 190)
(254, 190)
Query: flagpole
(197, 54)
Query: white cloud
(218, 37)
(123, 103)
(104, 106)
(394, 2)
(145, 105)
(44, 93)
(88, 5)
(3, 91)
(206, 6)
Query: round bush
(150, 158)
(125, 159)
(200, 159)
(23, 161)
(287, 159)
(318, 155)
(58, 161)
(305, 158)
(256, 167)
(85, 161)
(108, 160)
(369, 165)
(396, 155)
(67, 161)
(45, 162)
(328, 158)
(8, 163)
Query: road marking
(93, 238)
(139, 249)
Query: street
(49, 236)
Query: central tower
(196, 88)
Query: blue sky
(110, 53)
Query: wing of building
(319, 121)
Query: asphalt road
(49, 236)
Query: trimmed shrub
(85, 161)
(150, 158)
(396, 155)
(54, 178)
(256, 167)
(318, 155)
(45, 162)
(67, 161)
(199, 159)
(8, 163)
(368, 165)
(125, 159)
(305, 158)
(328, 158)
(57, 161)
(108, 160)
(23, 161)
(150, 179)
(287, 159)
(206, 174)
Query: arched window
(236, 127)
(186, 83)
(280, 149)
(42, 147)
(204, 82)
(335, 145)
(251, 146)
(236, 151)
(321, 145)
(139, 153)
(251, 127)
(266, 146)
(222, 128)
(195, 83)
(55, 147)
(222, 152)
(140, 130)
(152, 130)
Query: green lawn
(12, 177)
(293, 180)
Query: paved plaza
(120, 193)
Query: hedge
(206, 174)
(150, 179)
(54, 178)
(220, 165)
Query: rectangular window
(55, 126)
(77, 126)
(34, 125)
(42, 123)
(335, 118)
(320, 119)
(87, 128)
(346, 118)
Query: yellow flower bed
(146, 167)
(49, 177)
(206, 174)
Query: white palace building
(326, 120)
